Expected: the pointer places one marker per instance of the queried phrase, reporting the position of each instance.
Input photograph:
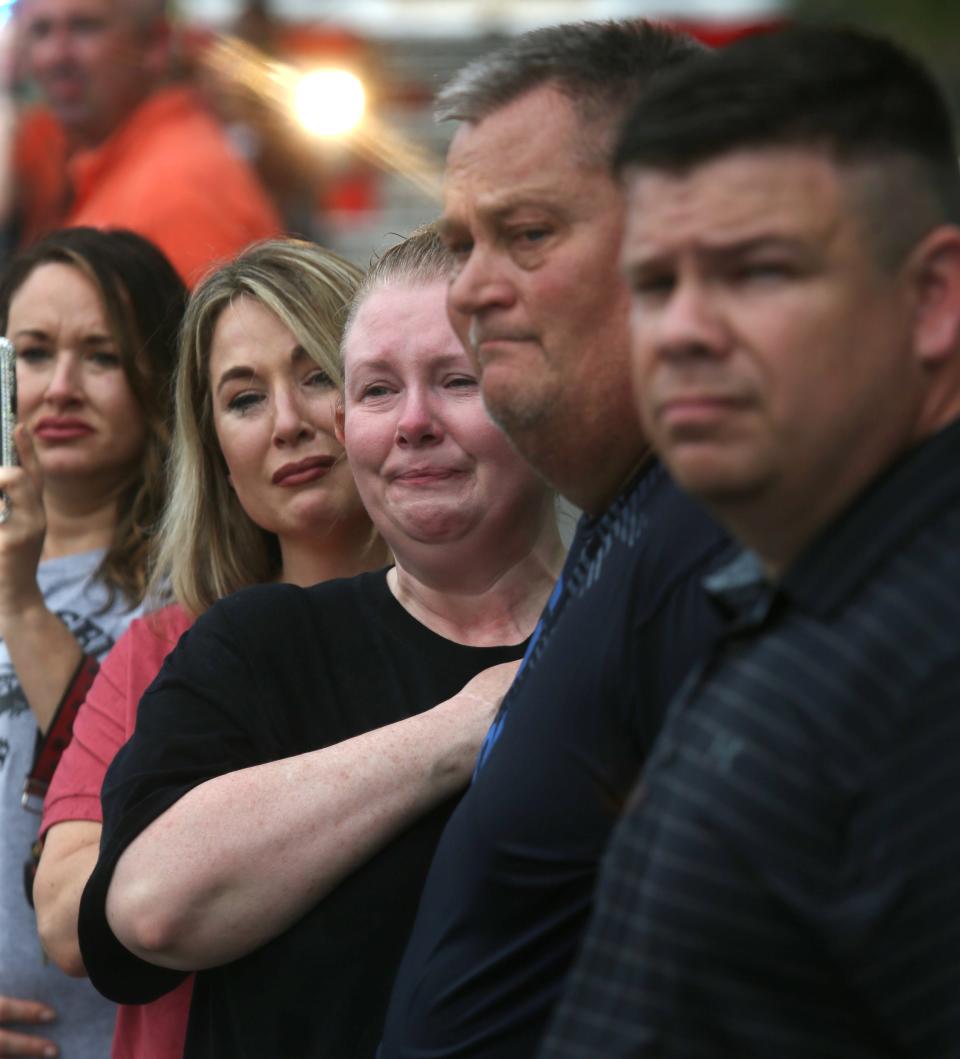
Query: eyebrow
(721, 252)
(238, 372)
(244, 371)
(501, 206)
(754, 245)
(385, 364)
(43, 336)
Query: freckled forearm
(241, 857)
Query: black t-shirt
(268, 673)
(510, 888)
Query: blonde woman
(260, 491)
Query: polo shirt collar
(904, 497)
(86, 166)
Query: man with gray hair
(534, 220)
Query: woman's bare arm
(70, 851)
(239, 858)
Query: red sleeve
(108, 715)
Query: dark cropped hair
(602, 67)
(857, 97)
(143, 299)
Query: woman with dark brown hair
(93, 316)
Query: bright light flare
(329, 102)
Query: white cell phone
(8, 402)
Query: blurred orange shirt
(170, 174)
(39, 161)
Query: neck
(308, 561)
(781, 521)
(597, 503)
(483, 605)
(89, 138)
(78, 520)
(595, 486)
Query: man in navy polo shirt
(786, 881)
(535, 220)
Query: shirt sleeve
(897, 940)
(74, 792)
(197, 720)
(104, 721)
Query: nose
(480, 282)
(64, 385)
(418, 424)
(688, 324)
(290, 424)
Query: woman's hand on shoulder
(472, 710)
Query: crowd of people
(340, 754)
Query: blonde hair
(208, 546)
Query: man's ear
(935, 274)
(338, 420)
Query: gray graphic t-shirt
(85, 1025)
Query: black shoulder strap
(53, 744)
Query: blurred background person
(94, 317)
(136, 150)
(289, 745)
(259, 491)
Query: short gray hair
(602, 67)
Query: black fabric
(510, 888)
(787, 882)
(268, 673)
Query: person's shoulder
(257, 604)
(363, 595)
(65, 569)
(166, 624)
(179, 118)
(280, 605)
(675, 534)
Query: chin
(511, 403)
(432, 527)
(715, 483)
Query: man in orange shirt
(143, 154)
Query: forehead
(53, 285)
(534, 149)
(400, 323)
(741, 196)
(246, 324)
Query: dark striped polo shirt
(786, 880)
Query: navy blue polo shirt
(786, 881)
(509, 890)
